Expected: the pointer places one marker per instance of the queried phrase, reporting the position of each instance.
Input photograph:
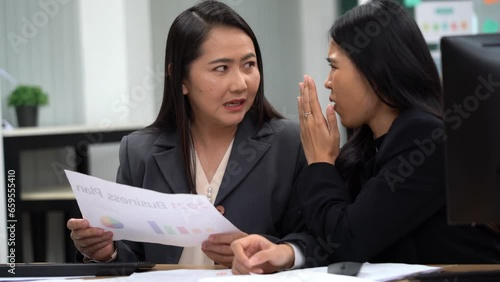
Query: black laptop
(72, 269)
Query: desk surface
(446, 268)
(55, 130)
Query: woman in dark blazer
(215, 135)
(381, 197)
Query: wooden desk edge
(186, 266)
(446, 267)
(458, 268)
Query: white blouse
(194, 255)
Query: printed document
(142, 215)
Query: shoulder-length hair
(186, 35)
(386, 45)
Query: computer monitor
(471, 84)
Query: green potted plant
(26, 99)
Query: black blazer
(255, 191)
(400, 213)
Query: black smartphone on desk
(349, 268)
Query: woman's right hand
(94, 243)
(319, 135)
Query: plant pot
(27, 116)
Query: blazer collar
(169, 160)
(249, 146)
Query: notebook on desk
(72, 269)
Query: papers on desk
(300, 275)
(392, 271)
(225, 275)
(379, 272)
(143, 215)
(369, 272)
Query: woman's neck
(210, 144)
(205, 135)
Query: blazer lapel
(169, 161)
(248, 148)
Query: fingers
(246, 247)
(276, 257)
(77, 223)
(240, 266)
(314, 105)
(251, 255)
(92, 242)
(320, 138)
(332, 119)
(97, 250)
(243, 249)
(80, 234)
(305, 97)
(309, 102)
(240, 257)
(265, 261)
(223, 249)
(261, 257)
(226, 238)
(84, 240)
(221, 243)
(218, 247)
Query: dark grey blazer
(255, 191)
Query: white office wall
(118, 72)
(39, 45)
(143, 74)
(104, 59)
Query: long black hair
(185, 38)
(387, 47)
